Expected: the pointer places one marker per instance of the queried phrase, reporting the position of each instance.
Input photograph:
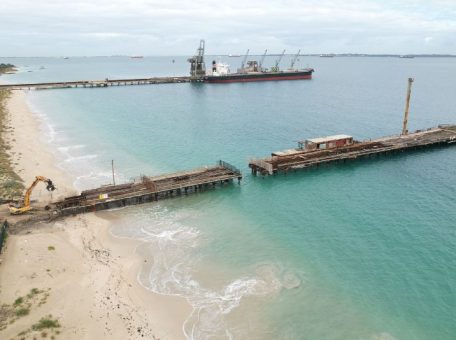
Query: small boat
(136, 57)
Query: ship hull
(266, 76)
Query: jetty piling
(149, 189)
(142, 190)
(407, 106)
(341, 148)
(96, 83)
(302, 158)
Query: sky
(151, 27)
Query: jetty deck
(145, 189)
(293, 159)
(148, 189)
(97, 83)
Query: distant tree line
(4, 68)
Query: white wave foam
(71, 147)
(80, 158)
(171, 245)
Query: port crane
(26, 204)
(197, 66)
(262, 59)
(276, 68)
(293, 61)
(244, 60)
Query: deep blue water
(363, 250)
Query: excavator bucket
(50, 186)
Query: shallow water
(362, 250)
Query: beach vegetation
(45, 326)
(11, 186)
(23, 306)
(33, 292)
(6, 68)
(51, 248)
(46, 323)
(18, 301)
(22, 311)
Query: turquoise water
(363, 250)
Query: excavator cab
(14, 210)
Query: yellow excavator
(14, 210)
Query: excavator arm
(26, 206)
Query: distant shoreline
(7, 68)
(387, 55)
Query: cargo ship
(250, 71)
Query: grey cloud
(101, 27)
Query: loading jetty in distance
(95, 83)
(341, 148)
(250, 71)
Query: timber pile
(442, 135)
(149, 189)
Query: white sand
(94, 292)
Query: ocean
(362, 250)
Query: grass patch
(44, 327)
(11, 186)
(51, 248)
(46, 323)
(18, 301)
(23, 306)
(33, 292)
(23, 311)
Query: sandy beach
(73, 271)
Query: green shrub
(22, 311)
(18, 301)
(46, 322)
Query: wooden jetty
(148, 189)
(97, 83)
(318, 151)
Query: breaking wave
(173, 252)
